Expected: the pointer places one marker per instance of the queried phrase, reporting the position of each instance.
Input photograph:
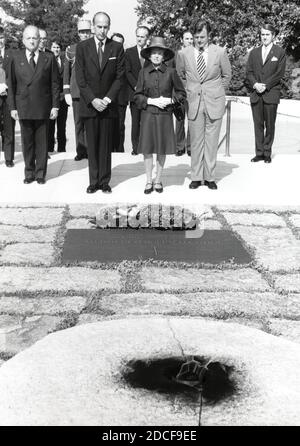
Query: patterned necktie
(32, 61)
(100, 53)
(201, 67)
(265, 54)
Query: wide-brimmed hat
(157, 42)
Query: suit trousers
(60, 123)
(135, 126)
(34, 133)
(7, 130)
(264, 117)
(99, 134)
(80, 135)
(204, 133)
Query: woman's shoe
(148, 189)
(158, 187)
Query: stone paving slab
(15, 338)
(252, 219)
(41, 305)
(20, 234)
(80, 223)
(172, 279)
(211, 225)
(288, 282)
(84, 210)
(28, 254)
(57, 280)
(250, 207)
(286, 328)
(219, 305)
(31, 216)
(295, 220)
(276, 249)
(32, 204)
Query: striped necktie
(32, 61)
(100, 53)
(201, 67)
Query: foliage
(236, 25)
(58, 17)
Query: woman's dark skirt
(157, 134)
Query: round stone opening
(162, 376)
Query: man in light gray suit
(206, 72)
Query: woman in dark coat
(157, 88)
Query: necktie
(58, 61)
(201, 67)
(32, 61)
(100, 53)
(142, 60)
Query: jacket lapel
(270, 55)
(192, 60)
(26, 67)
(210, 59)
(93, 52)
(137, 59)
(107, 53)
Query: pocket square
(111, 58)
(274, 59)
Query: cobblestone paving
(39, 295)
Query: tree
(236, 24)
(58, 17)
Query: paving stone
(59, 280)
(258, 208)
(80, 223)
(90, 318)
(28, 254)
(211, 225)
(31, 216)
(172, 279)
(288, 282)
(252, 219)
(9, 321)
(14, 234)
(286, 328)
(220, 305)
(15, 338)
(275, 249)
(1, 362)
(42, 305)
(295, 220)
(84, 210)
(74, 377)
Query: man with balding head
(33, 97)
(99, 70)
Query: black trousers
(264, 117)
(119, 129)
(7, 130)
(99, 134)
(135, 126)
(60, 123)
(34, 133)
(80, 135)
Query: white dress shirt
(265, 51)
(36, 55)
(204, 54)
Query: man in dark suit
(122, 105)
(71, 89)
(264, 72)
(33, 96)
(7, 124)
(133, 64)
(63, 107)
(99, 72)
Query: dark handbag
(178, 110)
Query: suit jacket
(212, 87)
(132, 68)
(61, 75)
(69, 78)
(269, 73)
(33, 92)
(95, 83)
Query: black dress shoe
(41, 181)
(9, 163)
(257, 158)
(210, 184)
(195, 184)
(106, 189)
(189, 153)
(148, 188)
(268, 159)
(133, 153)
(28, 180)
(80, 157)
(92, 189)
(180, 153)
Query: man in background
(61, 119)
(33, 96)
(134, 62)
(43, 41)
(122, 105)
(71, 89)
(183, 141)
(7, 124)
(264, 72)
